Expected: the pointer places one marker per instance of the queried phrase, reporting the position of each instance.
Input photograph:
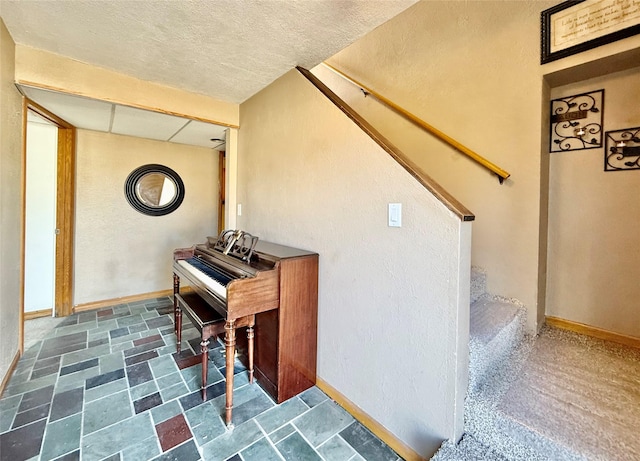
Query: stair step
(495, 331)
(469, 448)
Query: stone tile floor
(108, 385)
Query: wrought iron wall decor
(622, 150)
(576, 122)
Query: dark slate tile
(115, 457)
(46, 352)
(366, 444)
(79, 366)
(144, 348)
(185, 452)
(313, 396)
(130, 320)
(23, 443)
(323, 422)
(124, 331)
(67, 403)
(235, 458)
(165, 310)
(173, 432)
(73, 456)
(167, 331)
(61, 437)
(250, 409)
(138, 328)
(148, 402)
(45, 363)
(336, 449)
(45, 371)
(58, 341)
(232, 442)
(104, 378)
(115, 315)
(195, 398)
(29, 416)
(106, 411)
(84, 317)
(36, 398)
(98, 342)
(158, 322)
(148, 339)
(139, 373)
(141, 357)
(281, 414)
(262, 450)
(295, 448)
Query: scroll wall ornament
(622, 150)
(576, 122)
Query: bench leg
(176, 290)
(230, 350)
(250, 336)
(204, 349)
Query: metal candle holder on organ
(576, 122)
(623, 150)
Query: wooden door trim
(65, 209)
(222, 186)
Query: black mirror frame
(134, 201)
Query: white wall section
(40, 216)
(393, 302)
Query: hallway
(107, 385)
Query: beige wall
(57, 72)
(119, 251)
(472, 69)
(10, 203)
(594, 244)
(393, 302)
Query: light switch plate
(395, 215)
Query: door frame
(65, 211)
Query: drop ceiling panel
(145, 124)
(86, 113)
(200, 134)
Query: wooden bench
(210, 323)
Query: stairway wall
(393, 302)
(472, 69)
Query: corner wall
(393, 302)
(119, 251)
(10, 203)
(594, 249)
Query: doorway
(61, 138)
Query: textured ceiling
(226, 49)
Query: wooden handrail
(502, 174)
(432, 186)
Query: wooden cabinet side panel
(298, 325)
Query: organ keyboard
(238, 275)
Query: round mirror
(154, 190)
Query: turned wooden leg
(250, 336)
(230, 350)
(204, 348)
(178, 320)
(176, 290)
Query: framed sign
(579, 25)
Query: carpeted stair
(496, 343)
(559, 396)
